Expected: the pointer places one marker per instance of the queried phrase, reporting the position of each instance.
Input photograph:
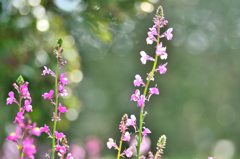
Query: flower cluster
(60, 145)
(124, 124)
(153, 36)
(22, 137)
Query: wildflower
(48, 95)
(126, 136)
(63, 79)
(19, 117)
(111, 144)
(162, 68)
(59, 135)
(161, 51)
(145, 132)
(29, 148)
(145, 57)
(62, 91)
(61, 149)
(69, 156)
(61, 109)
(138, 80)
(168, 34)
(141, 101)
(46, 130)
(11, 98)
(127, 152)
(135, 96)
(132, 121)
(152, 91)
(28, 107)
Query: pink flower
(69, 156)
(153, 90)
(145, 57)
(168, 34)
(150, 39)
(138, 80)
(162, 68)
(62, 109)
(62, 64)
(14, 135)
(111, 144)
(16, 87)
(153, 31)
(59, 135)
(127, 152)
(36, 130)
(19, 117)
(61, 149)
(141, 101)
(48, 95)
(11, 98)
(46, 71)
(45, 129)
(27, 106)
(211, 157)
(132, 121)
(24, 91)
(63, 79)
(161, 51)
(62, 91)
(126, 136)
(135, 97)
(145, 132)
(29, 148)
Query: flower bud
(20, 80)
(159, 12)
(59, 42)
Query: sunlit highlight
(147, 7)
(43, 25)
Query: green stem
(56, 104)
(120, 146)
(156, 156)
(20, 100)
(142, 109)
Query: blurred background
(198, 105)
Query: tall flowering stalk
(22, 137)
(59, 141)
(153, 35)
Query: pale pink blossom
(111, 143)
(138, 80)
(126, 136)
(162, 68)
(141, 101)
(135, 97)
(27, 106)
(132, 121)
(145, 57)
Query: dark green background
(198, 105)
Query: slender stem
(56, 104)
(142, 108)
(20, 100)
(120, 146)
(156, 156)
